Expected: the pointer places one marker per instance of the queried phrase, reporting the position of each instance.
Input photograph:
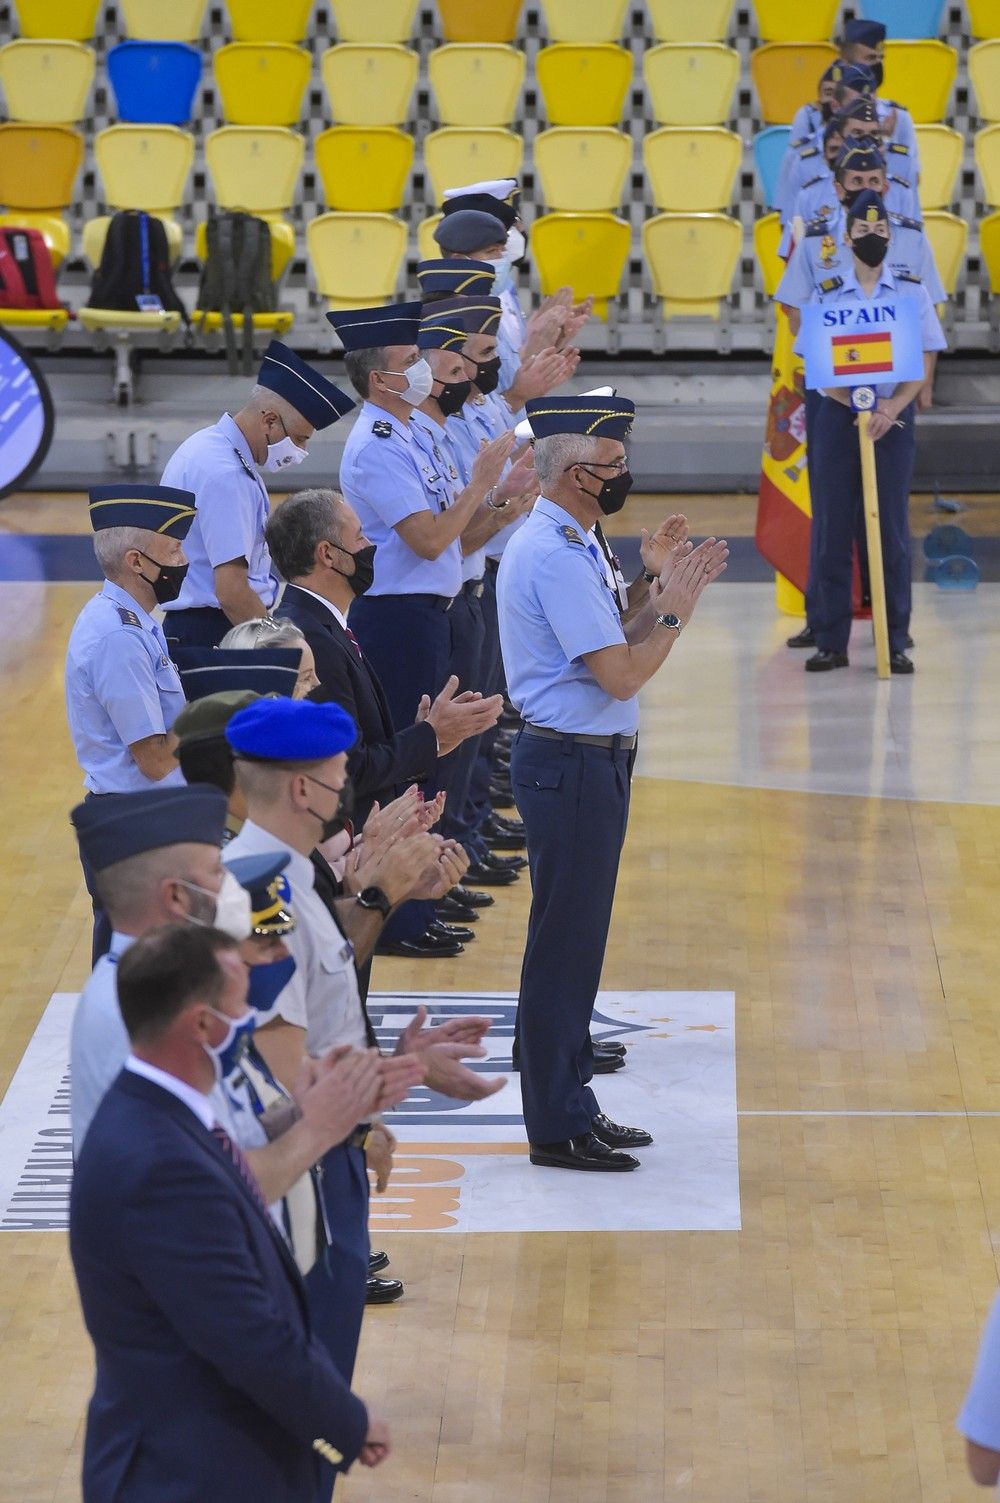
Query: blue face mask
(502, 275)
(227, 1054)
(268, 981)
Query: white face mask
(233, 914)
(515, 247)
(284, 453)
(502, 274)
(420, 383)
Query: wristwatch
(374, 898)
(647, 576)
(674, 622)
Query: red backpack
(26, 276)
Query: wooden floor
(817, 1356)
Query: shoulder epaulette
(799, 142)
(810, 151)
(127, 617)
(831, 284)
(382, 429)
(904, 182)
(572, 536)
(811, 182)
(903, 221)
(900, 148)
(908, 276)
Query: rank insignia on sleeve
(127, 617)
(571, 535)
(382, 429)
(899, 148)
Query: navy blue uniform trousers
(468, 634)
(813, 402)
(574, 801)
(201, 626)
(838, 511)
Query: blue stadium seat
(768, 153)
(905, 19)
(154, 82)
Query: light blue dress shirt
(821, 202)
(979, 1418)
(479, 422)
(554, 605)
(120, 688)
(232, 509)
(389, 472)
(822, 256)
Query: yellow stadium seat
(989, 246)
(38, 165)
(984, 75)
(586, 252)
(479, 20)
(583, 168)
(941, 150)
(95, 233)
(54, 319)
(476, 85)
(356, 258)
(920, 74)
(767, 234)
(988, 162)
(456, 155)
(692, 168)
(948, 235)
(427, 247)
(791, 21)
(282, 244)
(262, 83)
(984, 17)
(64, 20)
(282, 250)
(680, 21)
(369, 85)
(584, 85)
(46, 82)
(364, 168)
(361, 21)
(692, 259)
(144, 166)
(52, 227)
(584, 20)
(154, 21)
(691, 84)
(254, 170)
(785, 76)
(262, 21)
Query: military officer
(836, 468)
(575, 678)
(810, 169)
(861, 164)
(500, 197)
(809, 119)
(230, 578)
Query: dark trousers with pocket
(468, 635)
(202, 626)
(101, 938)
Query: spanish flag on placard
(862, 354)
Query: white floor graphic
(462, 1167)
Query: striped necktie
(353, 640)
(235, 1155)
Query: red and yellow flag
(861, 354)
(783, 504)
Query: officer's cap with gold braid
(867, 208)
(854, 76)
(375, 328)
(597, 417)
(318, 400)
(156, 508)
(862, 109)
(861, 155)
(449, 323)
(453, 276)
(498, 196)
(269, 892)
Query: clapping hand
(686, 574)
(654, 548)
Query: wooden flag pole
(873, 532)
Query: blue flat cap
(868, 33)
(318, 400)
(455, 277)
(868, 207)
(211, 670)
(861, 109)
(598, 417)
(854, 76)
(500, 196)
(862, 155)
(157, 508)
(447, 324)
(291, 730)
(469, 230)
(122, 825)
(374, 328)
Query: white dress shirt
(202, 1105)
(333, 609)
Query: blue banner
(862, 344)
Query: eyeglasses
(617, 466)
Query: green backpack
(236, 278)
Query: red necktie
(353, 640)
(236, 1156)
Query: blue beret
(869, 207)
(469, 230)
(854, 76)
(868, 33)
(447, 324)
(597, 417)
(317, 399)
(374, 328)
(291, 730)
(156, 508)
(456, 277)
(211, 670)
(862, 155)
(122, 825)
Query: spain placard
(849, 344)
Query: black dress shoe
(383, 1291)
(377, 1261)
(450, 911)
(499, 824)
(909, 642)
(489, 876)
(823, 661)
(425, 947)
(504, 842)
(900, 663)
(608, 1046)
(614, 1136)
(504, 863)
(469, 898)
(613, 1056)
(585, 1152)
(607, 1064)
(450, 931)
(805, 638)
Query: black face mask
(826, 110)
(613, 493)
(850, 197)
(453, 396)
(870, 249)
(167, 584)
(877, 71)
(364, 568)
(488, 375)
(342, 818)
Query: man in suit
(209, 1382)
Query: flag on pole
(783, 504)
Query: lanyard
(144, 249)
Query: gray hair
(263, 399)
(297, 526)
(261, 631)
(112, 543)
(127, 889)
(554, 454)
(359, 365)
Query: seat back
(262, 83)
(46, 82)
(906, 18)
(584, 20)
(61, 20)
(369, 85)
(152, 21)
(680, 21)
(582, 167)
(584, 84)
(786, 74)
(989, 248)
(254, 169)
(476, 85)
(455, 155)
(262, 21)
(52, 227)
(586, 252)
(767, 234)
(984, 75)
(38, 165)
(388, 21)
(984, 17)
(692, 167)
(920, 76)
(988, 162)
(144, 166)
(364, 168)
(692, 260)
(427, 247)
(791, 21)
(691, 83)
(769, 147)
(356, 258)
(941, 150)
(948, 235)
(282, 244)
(479, 20)
(154, 82)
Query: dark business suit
(209, 1382)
